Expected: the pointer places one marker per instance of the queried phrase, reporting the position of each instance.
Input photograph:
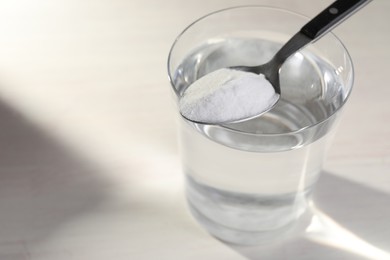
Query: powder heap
(227, 95)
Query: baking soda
(227, 95)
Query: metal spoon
(324, 22)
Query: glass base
(242, 237)
(245, 219)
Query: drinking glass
(251, 182)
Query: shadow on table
(351, 221)
(42, 185)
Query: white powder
(227, 95)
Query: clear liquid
(244, 187)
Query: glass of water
(251, 182)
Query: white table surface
(89, 166)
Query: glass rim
(280, 9)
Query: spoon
(324, 22)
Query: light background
(89, 167)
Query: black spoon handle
(331, 17)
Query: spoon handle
(333, 15)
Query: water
(248, 182)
